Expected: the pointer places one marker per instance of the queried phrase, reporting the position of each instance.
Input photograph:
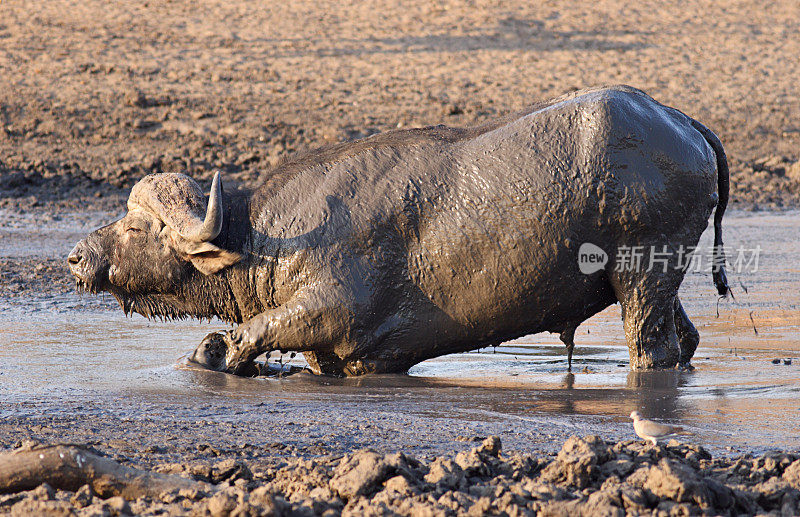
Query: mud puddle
(60, 355)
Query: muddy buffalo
(374, 255)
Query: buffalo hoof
(212, 352)
(657, 359)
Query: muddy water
(62, 354)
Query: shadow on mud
(510, 33)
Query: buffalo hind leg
(688, 337)
(567, 337)
(648, 313)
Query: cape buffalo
(374, 255)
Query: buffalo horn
(208, 229)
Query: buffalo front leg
(294, 326)
(212, 351)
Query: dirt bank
(587, 477)
(94, 95)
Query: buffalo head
(145, 258)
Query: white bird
(652, 431)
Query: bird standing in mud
(651, 431)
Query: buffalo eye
(134, 229)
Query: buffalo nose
(76, 255)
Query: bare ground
(93, 95)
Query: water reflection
(656, 394)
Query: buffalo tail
(723, 186)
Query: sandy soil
(93, 95)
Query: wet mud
(588, 476)
(74, 369)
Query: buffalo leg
(294, 326)
(211, 354)
(648, 312)
(688, 337)
(568, 338)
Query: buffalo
(373, 255)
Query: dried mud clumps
(588, 477)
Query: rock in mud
(491, 446)
(222, 504)
(445, 473)
(83, 497)
(792, 474)
(230, 470)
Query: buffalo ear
(207, 258)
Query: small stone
(26, 445)
(192, 494)
(43, 492)
(230, 470)
(463, 438)
(678, 482)
(445, 473)
(472, 463)
(169, 496)
(619, 468)
(792, 474)
(398, 484)
(360, 473)
(722, 496)
(454, 109)
(577, 462)
(136, 98)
